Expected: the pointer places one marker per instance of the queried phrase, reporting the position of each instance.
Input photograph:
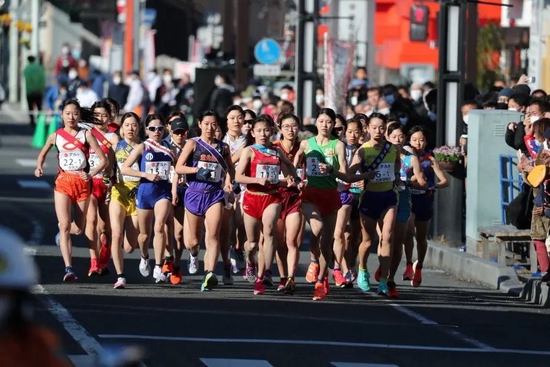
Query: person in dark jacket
(516, 132)
(118, 90)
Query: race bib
(385, 173)
(72, 161)
(214, 168)
(312, 168)
(127, 178)
(269, 171)
(300, 172)
(161, 168)
(93, 160)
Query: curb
(472, 268)
(536, 292)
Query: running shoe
(120, 283)
(339, 278)
(241, 262)
(290, 286)
(233, 259)
(69, 275)
(168, 266)
(392, 290)
(312, 272)
(363, 280)
(319, 293)
(144, 267)
(94, 268)
(57, 238)
(267, 279)
(377, 274)
(259, 287)
(250, 273)
(349, 280)
(383, 287)
(209, 282)
(417, 278)
(192, 264)
(326, 284)
(175, 276)
(158, 275)
(104, 255)
(282, 284)
(408, 273)
(227, 278)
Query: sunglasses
(155, 129)
(248, 122)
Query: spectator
(83, 69)
(85, 95)
(221, 97)
(73, 82)
(186, 93)
(137, 96)
(35, 86)
(165, 98)
(118, 90)
(361, 79)
(98, 83)
(55, 96)
(539, 93)
(466, 107)
(504, 95)
(515, 133)
(64, 63)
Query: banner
(340, 56)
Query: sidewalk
(11, 113)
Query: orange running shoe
(282, 284)
(175, 276)
(409, 272)
(377, 274)
(326, 284)
(312, 272)
(392, 290)
(104, 255)
(417, 278)
(319, 293)
(339, 278)
(168, 266)
(94, 268)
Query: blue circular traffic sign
(267, 51)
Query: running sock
(337, 268)
(314, 261)
(145, 257)
(169, 258)
(409, 263)
(419, 266)
(121, 275)
(158, 265)
(320, 280)
(68, 268)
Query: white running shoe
(144, 267)
(192, 264)
(159, 275)
(120, 283)
(233, 259)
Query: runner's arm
(240, 176)
(127, 169)
(43, 154)
(443, 182)
(287, 164)
(230, 166)
(181, 164)
(420, 182)
(300, 153)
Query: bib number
(160, 168)
(312, 168)
(73, 161)
(385, 173)
(214, 168)
(269, 171)
(126, 178)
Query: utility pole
(35, 22)
(306, 57)
(129, 36)
(242, 56)
(14, 52)
(472, 31)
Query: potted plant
(448, 157)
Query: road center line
(426, 321)
(326, 343)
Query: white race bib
(94, 160)
(127, 178)
(72, 161)
(385, 173)
(161, 168)
(269, 171)
(312, 168)
(214, 168)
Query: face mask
(390, 98)
(349, 116)
(534, 118)
(354, 100)
(465, 119)
(73, 74)
(167, 79)
(128, 81)
(76, 54)
(319, 99)
(538, 143)
(284, 96)
(416, 94)
(502, 106)
(257, 104)
(218, 82)
(513, 109)
(384, 111)
(237, 102)
(6, 305)
(117, 80)
(65, 51)
(404, 120)
(432, 116)
(62, 93)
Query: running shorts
(255, 203)
(326, 200)
(422, 206)
(126, 197)
(73, 186)
(99, 189)
(291, 203)
(150, 193)
(375, 203)
(404, 206)
(198, 202)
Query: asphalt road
(446, 322)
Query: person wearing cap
(504, 95)
(176, 140)
(23, 343)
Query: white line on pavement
(73, 327)
(326, 343)
(34, 184)
(28, 162)
(216, 362)
(426, 321)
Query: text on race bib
(161, 168)
(214, 168)
(385, 173)
(312, 167)
(269, 171)
(72, 161)
(127, 178)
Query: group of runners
(357, 182)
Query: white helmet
(17, 270)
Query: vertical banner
(340, 56)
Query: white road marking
(326, 343)
(28, 163)
(346, 364)
(37, 233)
(426, 321)
(34, 184)
(31, 251)
(73, 327)
(213, 362)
